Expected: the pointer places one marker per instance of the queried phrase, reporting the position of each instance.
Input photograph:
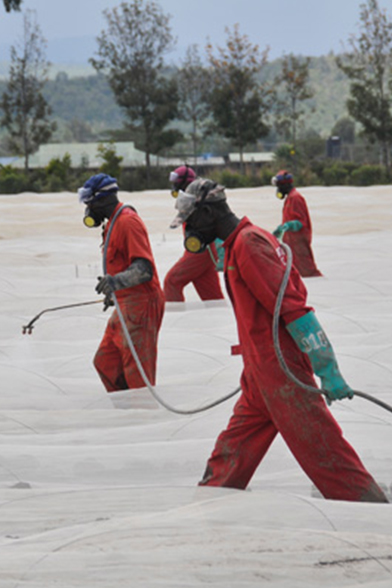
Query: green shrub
(135, 179)
(335, 175)
(58, 172)
(111, 161)
(12, 181)
(54, 184)
(369, 175)
(265, 175)
(307, 177)
(231, 179)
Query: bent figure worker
(270, 402)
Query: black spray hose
(134, 352)
(278, 350)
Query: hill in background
(84, 105)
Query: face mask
(197, 241)
(93, 218)
(194, 242)
(280, 194)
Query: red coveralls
(270, 403)
(197, 268)
(295, 208)
(142, 307)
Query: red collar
(231, 238)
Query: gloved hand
(278, 232)
(138, 272)
(107, 302)
(294, 225)
(106, 285)
(221, 255)
(312, 340)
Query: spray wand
(29, 327)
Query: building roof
(258, 157)
(87, 155)
(82, 154)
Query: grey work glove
(138, 272)
(106, 285)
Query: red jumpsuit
(142, 308)
(295, 208)
(270, 403)
(197, 268)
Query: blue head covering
(96, 187)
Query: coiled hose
(134, 352)
(275, 334)
(278, 350)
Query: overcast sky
(307, 27)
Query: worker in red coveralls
(296, 227)
(200, 270)
(270, 403)
(132, 275)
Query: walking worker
(199, 270)
(296, 227)
(270, 403)
(132, 275)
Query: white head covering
(200, 190)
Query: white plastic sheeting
(100, 491)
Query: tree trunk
(194, 141)
(148, 168)
(241, 160)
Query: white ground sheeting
(98, 494)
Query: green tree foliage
(83, 102)
(130, 52)
(237, 100)
(193, 84)
(58, 173)
(111, 161)
(25, 110)
(294, 82)
(368, 66)
(80, 131)
(12, 5)
(345, 129)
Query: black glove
(107, 302)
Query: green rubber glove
(278, 232)
(221, 254)
(294, 225)
(312, 340)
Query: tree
(12, 4)
(345, 129)
(25, 110)
(294, 79)
(236, 98)
(80, 131)
(193, 84)
(130, 52)
(369, 67)
(111, 161)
